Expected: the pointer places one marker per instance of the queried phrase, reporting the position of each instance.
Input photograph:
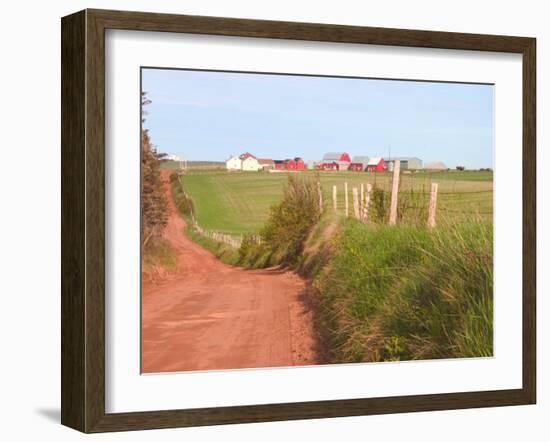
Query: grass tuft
(158, 253)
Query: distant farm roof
(401, 158)
(330, 156)
(374, 161)
(436, 165)
(265, 161)
(245, 155)
(360, 159)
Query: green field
(239, 202)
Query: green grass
(239, 202)
(407, 292)
(234, 202)
(455, 175)
(222, 251)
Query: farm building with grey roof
(336, 156)
(359, 163)
(335, 161)
(412, 163)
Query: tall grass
(158, 253)
(408, 292)
(412, 205)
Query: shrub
(174, 176)
(183, 203)
(288, 226)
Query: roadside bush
(288, 226)
(183, 203)
(174, 176)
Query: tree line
(154, 207)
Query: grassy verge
(222, 251)
(407, 292)
(158, 253)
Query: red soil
(211, 316)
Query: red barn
(335, 161)
(359, 163)
(329, 166)
(377, 164)
(290, 165)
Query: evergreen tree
(154, 210)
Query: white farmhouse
(233, 163)
(251, 164)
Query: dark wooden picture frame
(83, 220)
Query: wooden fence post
(356, 203)
(433, 205)
(394, 191)
(334, 198)
(320, 193)
(365, 215)
(346, 198)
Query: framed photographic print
(271, 220)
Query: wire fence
(232, 240)
(412, 205)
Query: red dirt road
(211, 316)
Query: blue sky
(210, 115)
